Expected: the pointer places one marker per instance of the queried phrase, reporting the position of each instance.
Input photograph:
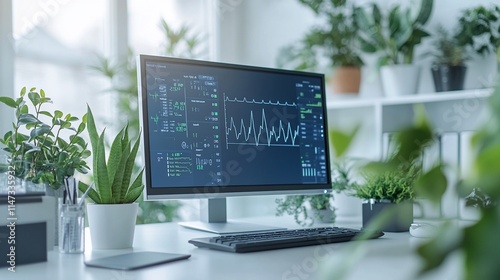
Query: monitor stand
(214, 219)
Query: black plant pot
(447, 78)
(399, 216)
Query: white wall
(252, 32)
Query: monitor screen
(216, 129)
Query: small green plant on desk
(394, 187)
(112, 216)
(38, 146)
(321, 205)
(296, 205)
(113, 177)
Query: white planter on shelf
(400, 79)
(112, 225)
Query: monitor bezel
(151, 193)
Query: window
(55, 42)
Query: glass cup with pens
(71, 219)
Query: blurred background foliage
(181, 42)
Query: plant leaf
(479, 241)
(92, 194)
(115, 156)
(41, 130)
(135, 189)
(434, 252)
(119, 188)
(432, 184)
(341, 141)
(8, 101)
(130, 166)
(425, 11)
(28, 118)
(34, 97)
(101, 172)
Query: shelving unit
(456, 111)
(453, 116)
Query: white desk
(389, 257)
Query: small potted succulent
(113, 214)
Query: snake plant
(113, 177)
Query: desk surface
(390, 257)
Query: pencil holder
(71, 228)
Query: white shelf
(448, 112)
(358, 102)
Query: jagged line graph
(262, 102)
(246, 133)
(272, 137)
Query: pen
(68, 190)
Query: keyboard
(281, 239)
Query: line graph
(251, 134)
(262, 102)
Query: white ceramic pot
(112, 225)
(400, 79)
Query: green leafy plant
(478, 199)
(479, 29)
(395, 34)
(394, 187)
(335, 39)
(181, 43)
(478, 241)
(46, 145)
(113, 177)
(342, 176)
(296, 205)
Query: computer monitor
(213, 130)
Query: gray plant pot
(399, 216)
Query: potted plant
(479, 29)
(113, 214)
(390, 192)
(395, 35)
(297, 205)
(308, 208)
(478, 33)
(335, 40)
(448, 68)
(44, 146)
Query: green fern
(393, 186)
(112, 178)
